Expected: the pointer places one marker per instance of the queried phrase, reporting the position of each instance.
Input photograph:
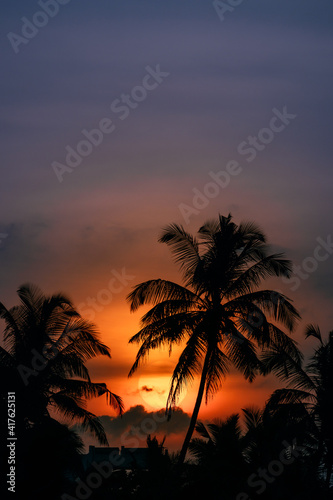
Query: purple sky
(224, 80)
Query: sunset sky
(213, 88)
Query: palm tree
(46, 346)
(218, 451)
(311, 387)
(219, 312)
(229, 456)
(272, 433)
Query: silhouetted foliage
(310, 389)
(283, 451)
(46, 344)
(220, 313)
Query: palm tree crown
(219, 313)
(46, 346)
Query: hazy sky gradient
(225, 78)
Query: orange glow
(149, 386)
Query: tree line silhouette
(225, 318)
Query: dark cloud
(136, 423)
(146, 389)
(137, 414)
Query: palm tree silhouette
(46, 346)
(220, 313)
(269, 435)
(228, 455)
(311, 387)
(219, 457)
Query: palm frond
(158, 290)
(67, 364)
(88, 421)
(283, 342)
(289, 396)
(11, 329)
(313, 331)
(187, 367)
(287, 366)
(249, 279)
(252, 417)
(6, 359)
(166, 309)
(82, 389)
(241, 353)
(184, 247)
(170, 331)
(202, 430)
(266, 301)
(31, 296)
(218, 368)
(250, 231)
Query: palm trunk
(196, 410)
